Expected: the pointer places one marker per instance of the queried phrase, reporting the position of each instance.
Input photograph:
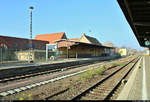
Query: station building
(84, 47)
(113, 48)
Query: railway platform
(137, 86)
(21, 65)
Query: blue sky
(103, 17)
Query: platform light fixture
(147, 43)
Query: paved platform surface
(18, 65)
(138, 85)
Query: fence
(14, 55)
(8, 55)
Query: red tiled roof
(65, 44)
(75, 39)
(51, 37)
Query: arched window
(3, 46)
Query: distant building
(147, 52)
(123, 51)
(132, 51)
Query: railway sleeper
(101, 91)
(97, 94)
(92, 97)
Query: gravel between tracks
(73, 83)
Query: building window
(91, 50)
(3, 46)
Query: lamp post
(30, 56)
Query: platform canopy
(137, 13)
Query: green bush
(92, 72)
(103, 69)
(87, 75)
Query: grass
(100, 71)
(88, 75)
(115, 64)
(25, 97)
(122, 64)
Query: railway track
(14, 89)
(105, 87)
(32, 74)
(2, 80)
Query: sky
(102, 19)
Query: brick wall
(20, 43)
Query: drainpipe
(67, 53)
(1, 56)
(46, 52)
(76, 53)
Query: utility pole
(31, 47)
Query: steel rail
(100, 82)
(29, 86)
(118, 84)
(17, 77)
(28, 75)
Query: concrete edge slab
(11, 91)
(23, 88)
(17, 90)
(4, 93)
